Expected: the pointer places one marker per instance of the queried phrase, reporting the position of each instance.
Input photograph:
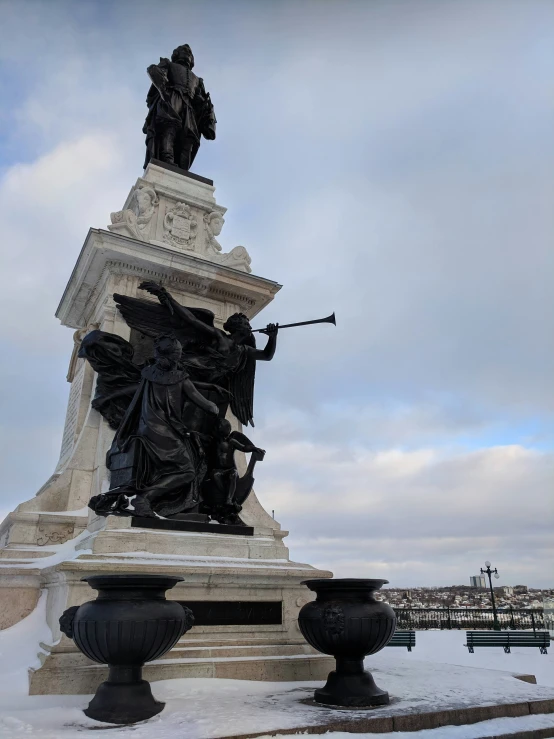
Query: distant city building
(465, 596)
(506, 590)
(521, 589)
(478, 581)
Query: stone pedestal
(258, 640)
(167, 231)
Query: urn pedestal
(347, 622)
(129, 623)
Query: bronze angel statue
(166, 456)
(225, 357)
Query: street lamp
(489, 572)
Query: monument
(153, 476)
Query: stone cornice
(104, 254)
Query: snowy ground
(439, 674)
(202, 709)
(446, 647)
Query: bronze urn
(347, 622)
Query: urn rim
(132, 581)
(345, 583)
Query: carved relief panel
(157, 214)
(137, 220)
(180, 226)
(213, 223)
(54, 533)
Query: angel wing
(241, 385)
(118, 377)
(152, 319)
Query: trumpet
(329, 319)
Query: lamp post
(489, 572)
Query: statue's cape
(169, 460)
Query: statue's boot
(167, 145)
(187, 156)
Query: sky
(389, 160)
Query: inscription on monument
(235, 613)
(72, 414)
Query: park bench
(508, 639)
(403, 639)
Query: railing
(469, 618)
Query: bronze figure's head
(240, 329)
(167, 351)
(183, 55)
(223, 428)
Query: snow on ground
(20, 649)
(447, 647)
(209, 708)
(435, 676)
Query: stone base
(182, 172)
(176, 524)
(19, 593)
(420, 721)
(249, 633)
(269, 662)
(30, 535)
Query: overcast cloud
(391, 161)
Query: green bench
(403, 639)
(507, 640)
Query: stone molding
(198, 287)
(106, 253)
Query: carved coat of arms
(180, 226)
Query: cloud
(27, 454)
(44, 211)
(44, 207)
(422, 516)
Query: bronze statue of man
(179, 111)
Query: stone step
(218, 641)
(27, 554)
(258, 650)
(10, 563)
(289, 668)
(34, 533)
